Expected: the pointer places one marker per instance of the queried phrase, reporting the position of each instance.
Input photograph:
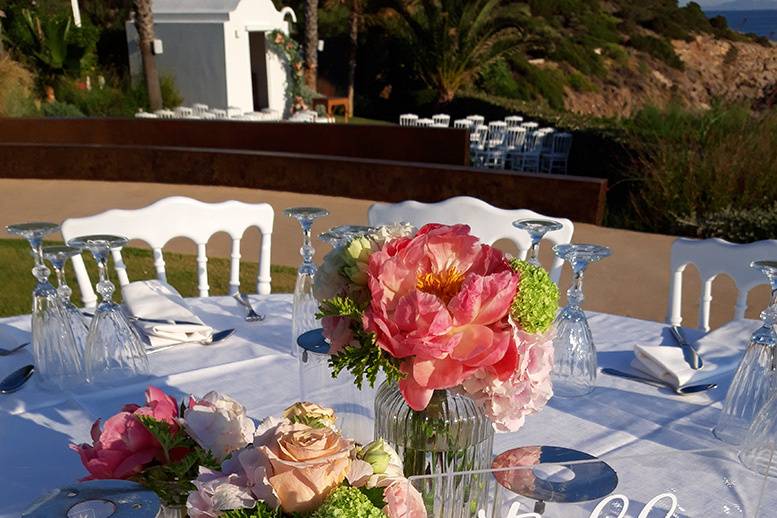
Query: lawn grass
(16, 281)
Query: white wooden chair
(487, 222)
(713, 257)
(172, 217)
(408, 119)
(441, 120)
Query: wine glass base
(760, 460)
(731, 433)
(569, 389)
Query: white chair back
(183, 112)
(487, 222)
(478, 136)
(425, 123)
(234, 111)
(145, 115)
(513, 120)
(562, 144)
(200, 108)
(206, 116)
(462, 124)
(165, 114)
(713, 257)
(408, 119)
(174, 217)
(441, 120)
(514, 137)
(496, 133)
(218, 113)
(477, 120)
(530, 125)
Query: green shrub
(497, 79)
(16, 84)
(60, 109)
(580, 83)
(740, 225)
(582, 58)
(658, 48)
(692, 165)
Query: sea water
(762, 22)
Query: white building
(217, 53)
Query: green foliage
(536, 302)
(16, 83)
(347, 502)
(540, 83)
(690, 166)
(262, 510)
(740, 225)
(365, 360)
(579, 56)
(497, 79)
(580, 83)
(60, 109)
(182, 457)
(658, 48)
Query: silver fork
(251, 315)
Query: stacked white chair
(557, 158)
(477, 120)
(477, 144)
(145, 115)
(441, 120)
(408, 119)
(425, 123)
(165, 114)
(183, 112)
(174, 217)
(462, 124)
(713, 257)
(514, 139)
(513, 120)
(218, 113)
(487, 222)
(200, 108)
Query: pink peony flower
(525, 392)
(440, 302)
(403, 501)
(125, 446)
(338, 331)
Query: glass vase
(452, 434)
(172, 511)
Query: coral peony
(440, 303)
(125, 446)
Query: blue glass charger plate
(314, 341)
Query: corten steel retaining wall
(578, 198)
(428, 145)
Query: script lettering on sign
(515, 508)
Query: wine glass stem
(104, 287)
(575, 292)
(307, 251)
(534, 251)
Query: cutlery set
(19, 377)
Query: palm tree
(144, 23)
(311, 43)
(453, 40)
(354, 20)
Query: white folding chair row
(713, 257)
(165, 114)
(528, 157)
(174, 217)
(408, 119)
(478, 138)
(424, 123)
(513, 120)
(462, 124)
(441, 120)
(530, 125)
(183, 112)
(200, 108)
(477, 120)
(556, 159)
(487, 222)
(145, 115)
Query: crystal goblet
(756, 378)
(759, 445)
(305, 305)
(114, 351)
(574, 368)
(58, 256)
(537, 228)
(54, 351)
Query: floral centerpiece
(440, 315)
(211, 458)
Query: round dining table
(657, 441)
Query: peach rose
(306, 464)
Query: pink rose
(440, 302)
(338, 331)
(305, 464)
(124, 447)
(219, 424)
(403, 501)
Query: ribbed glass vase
(451, 435)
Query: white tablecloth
(648, 434)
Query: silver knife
(151, 320)
(690, 354)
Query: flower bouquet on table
(461, 332)
(211, 458)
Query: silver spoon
(688, 389)
(16, 379)
(251, 316)
(6, 352)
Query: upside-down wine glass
(303, 316)
(756, 378)
(537, 228)
(54, 351)
(341, 235)
(114, 351)
(58, 256)
(574, 368)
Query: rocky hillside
(713, 69)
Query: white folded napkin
(159, 301)
(721, 351)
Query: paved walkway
(633, 282)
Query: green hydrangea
(261, 510)
(347, 502)
(536, 303)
